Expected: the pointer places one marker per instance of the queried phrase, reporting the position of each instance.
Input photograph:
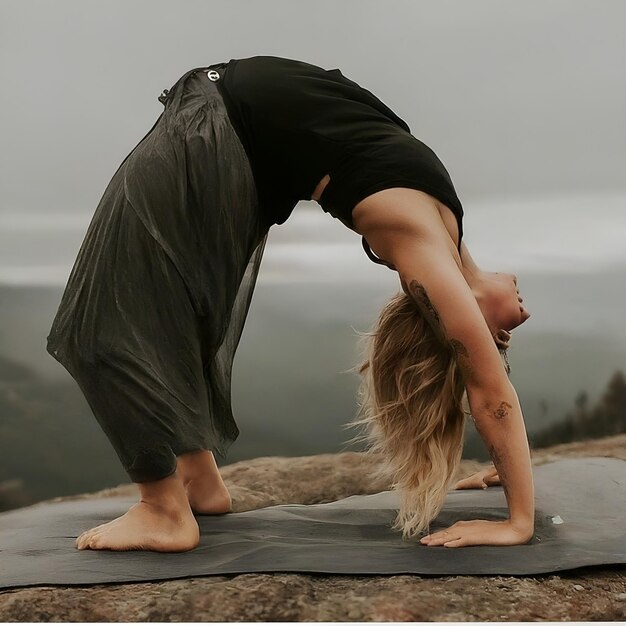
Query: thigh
(191, 185)
(125, 303)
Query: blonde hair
(411, 409)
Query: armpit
(373, 257)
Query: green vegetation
(607, 417)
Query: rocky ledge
(588, 594)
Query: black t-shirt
(298, 122)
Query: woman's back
(299, 122)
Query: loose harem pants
(156, 301)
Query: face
(501, 303)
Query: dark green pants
(156, 301)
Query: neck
(471, 271)
(475, 278)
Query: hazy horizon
(552, 234)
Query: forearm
(499, 422)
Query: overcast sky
(519, 99)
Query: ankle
(197, 464)
(175, 511)
(167, 494)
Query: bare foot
(162, 521)
(206, 492)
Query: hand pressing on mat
(479, 532)
(480, 480)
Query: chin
(518, 322)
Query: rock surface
(587, 594)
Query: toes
(102, 540)
(83, 539)
(95, 542)
(90, 539)
(83, 542)
(87, 534)
(90, 530)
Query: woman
(156, 301)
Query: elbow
(496, 399)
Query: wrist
(525, 526)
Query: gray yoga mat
(580, 521)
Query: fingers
(493, 480)
(455, 543)
(440, 537)
(448, 540)
(458, 535)
(465, 483)
(479, 480)
(440, 540)
(489, 477)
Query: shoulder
(398, 218)
(397, 208)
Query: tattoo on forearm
(459, 348)
(427, 308)
(462, 357)
(430, 313)
(502, 411)
(497, 459)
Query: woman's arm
(430, 271)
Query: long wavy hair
(411, 408)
